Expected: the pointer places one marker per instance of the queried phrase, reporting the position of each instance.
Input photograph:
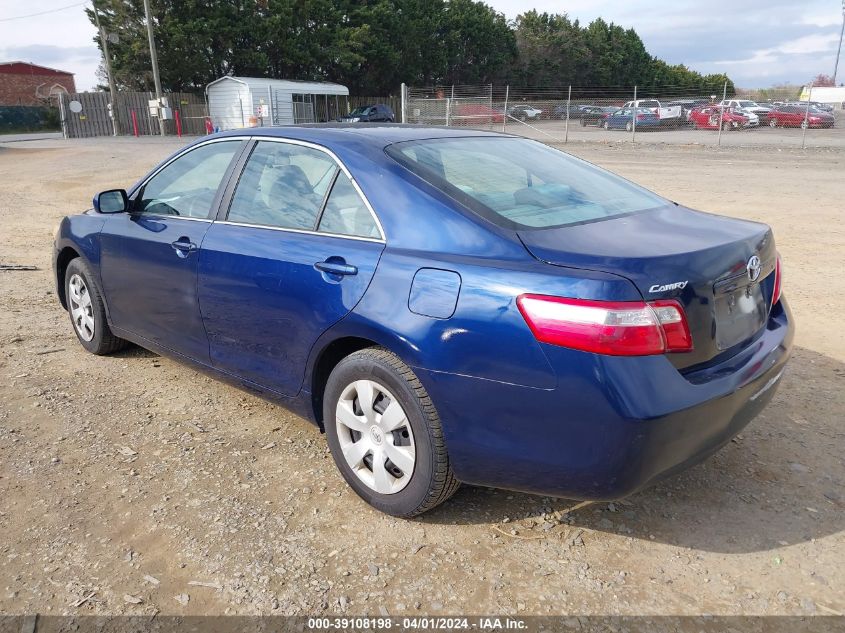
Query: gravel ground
(133, 485)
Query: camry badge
(753, 268)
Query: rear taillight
(617, 328)
(640, 117)
(778, 281)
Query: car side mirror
(111, 201)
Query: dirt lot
(126, 479)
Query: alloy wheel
(81, 309)
(375, 436)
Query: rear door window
(282, 185)
(346, 213)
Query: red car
(708, 118)
(795, 115)
(476, 114)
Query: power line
(32, 15)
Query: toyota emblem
(753, 268)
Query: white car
(668, 114)
(753, 119)
(748, 105)
(525, 112)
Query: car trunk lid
(699, 259)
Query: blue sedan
(446, 305)
(624, 119)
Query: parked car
(525, 112)
(687, 106)
(595, 115)
(746, 105)
(800, 116)
(476, 114)
(570, 334)
(575, 111)
(668, 115)
(377, 113)
(712, 116)
(824, 107)
(752, 120)
(624, 119)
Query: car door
(296, 251)
(149, 255)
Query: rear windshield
(521, 184)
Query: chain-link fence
(627, 114)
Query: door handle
(183, 246)
(336, 267)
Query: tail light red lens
(616, 328)
(778, 281)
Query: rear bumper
(612, 425)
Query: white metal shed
(239, 102)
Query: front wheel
(804, 125)
(726, 126)
(773, 123)
(629, 126)
(606, 125)
(87, 311)
(385, 435)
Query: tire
(804, 125)
(773, 123)
(629, 126)
(726, 126)
(379, 375)
(606, 125)
(87, 311)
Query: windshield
(521, 184)
(747, 104)
(359, 111)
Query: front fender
(80, 234)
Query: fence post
(568, 103)
(505, 112)
(806, 117)
(403, 102)
(62, 114)
(134, 123)
(722, 114)
(634, 116)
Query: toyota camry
(446, 305)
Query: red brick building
(22, 83)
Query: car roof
(375, 135)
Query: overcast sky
(757, 43)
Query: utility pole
(839, 50)
(154, 61)
(104, 40)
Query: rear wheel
(629, 126)
(804, 125)
(87, 311)
(773, 123)
(606, 125)
(385, 435)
